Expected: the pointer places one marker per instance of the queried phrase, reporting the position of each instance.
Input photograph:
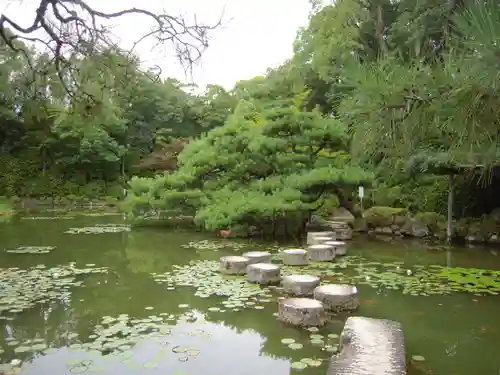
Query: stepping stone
(317, 240)
(300, 285)
(258, 257)
(233, 265)
(302, 312)
(312, 237)
(263, 273)
(321, 253)
(340, 247)
(370, 346)
(295, 257)
(337, 297)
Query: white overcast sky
(257, 34)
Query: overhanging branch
(73, 29)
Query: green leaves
(270, 159)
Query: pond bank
(399, 222)
(163, 306)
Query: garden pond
(83, 293)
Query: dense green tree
(270, 166)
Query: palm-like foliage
(447, 107)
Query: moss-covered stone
(379, 216)
(436, 223)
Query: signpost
(361, 194)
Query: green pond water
(110, 300)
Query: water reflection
(227, 351)
(455, 333)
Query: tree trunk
(350, 205)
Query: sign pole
(361, 194)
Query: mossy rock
(436, 223)
(380, 216)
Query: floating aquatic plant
(420, 281)
(22, 289)
(30, 250)
(204, 276)
(100, 228)
(214, 245)
(47, 217)
(100, 214)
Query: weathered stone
(233, 265)
(316, 240)
(414, 227)
(337, 297)
(342, 214)
(494, 239)
(344, 234)
(370, 346)
(317, 223)
(300, 285)
(339, 247)
(258, 257)
(384, 230)
(263, 273)
(302, 312)
(311, 236)
(295, 257)
(474, 238)
(321, 253)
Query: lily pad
(287, 341)
(418, 358)
(298, 365)
(295, 346)
(31, 250)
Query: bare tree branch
(73, 30)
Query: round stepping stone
(344, 234)
(233, 265)
(258, 257)
(340, 247)
(337, 297)
(312, 237)
(316, 240)
(295, 257)
(321, 253)
(263, 273)
(300, 285)
(303, 312)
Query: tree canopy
(374, 90)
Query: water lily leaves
(418, 358)
(31, 250)
(24, 288)
(332, 348)
(150, 365)
(298, 365)
(295, 346)
(287, 341)
(183, 306)
(333, 336)
(100, 228)
(38, 347)
(316, 337)
(179, 349)
(317, 342)
(313, 329)
(22, 349)
(214, 245)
